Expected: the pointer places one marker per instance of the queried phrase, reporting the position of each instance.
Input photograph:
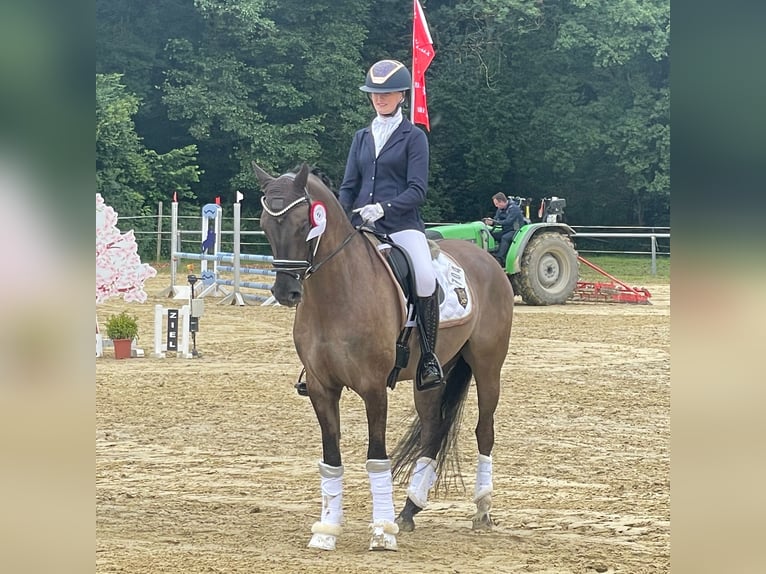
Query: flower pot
(122, 348)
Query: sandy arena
(209, 464)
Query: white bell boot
(328, 528)
(383, 527)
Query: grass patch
(634, 270)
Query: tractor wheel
(549, 270)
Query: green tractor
(542, 262)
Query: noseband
(297, 268)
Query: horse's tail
(409, 449)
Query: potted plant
(122, 329)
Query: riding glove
(370, 213)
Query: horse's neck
(348, 268)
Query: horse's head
(285, 221)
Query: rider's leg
(427, 306)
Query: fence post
(159, 231)
(654, 255)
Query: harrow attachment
(613, 291)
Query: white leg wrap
(382, 488)
(423, 479)
(383, 527)
(329, 527)
(483, 478)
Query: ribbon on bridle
(303, 269)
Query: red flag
(422, 54)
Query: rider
(508, 219)
(385, 183)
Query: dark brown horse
(349, 314)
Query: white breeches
(416, 245)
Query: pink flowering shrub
(119, 271)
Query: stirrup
(301, 385)
(428, 361)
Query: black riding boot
(429, 370)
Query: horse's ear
(302, 176)
(262, 176)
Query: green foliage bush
(122, 326)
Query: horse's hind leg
(428, 406)
(488, 391)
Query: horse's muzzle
(287, 290)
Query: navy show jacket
(397, 178)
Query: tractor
(542, 263)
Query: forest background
(531, 97)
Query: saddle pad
(458, 301)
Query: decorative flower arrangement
(119, 271)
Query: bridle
(302, 269)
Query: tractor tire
(549, 270)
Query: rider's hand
(489, 221)
(370, 213)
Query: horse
(349, 314)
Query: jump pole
(235, 297)
(171, 290)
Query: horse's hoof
(405, 523)
(383, 536)
(482, 521)
(322, 541)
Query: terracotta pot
(122, 348)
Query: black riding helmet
(387, 76)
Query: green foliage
(531, 97)
(122, 326)
(129, 176)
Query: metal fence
(153, 237)
(613, 240)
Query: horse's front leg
(383, 528)
(326, 404)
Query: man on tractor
(507, 220)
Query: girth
(398, 261)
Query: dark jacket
(509, 218)
(397, 178)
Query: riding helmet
(387, 76)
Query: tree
(128, 175)
(269, 83)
